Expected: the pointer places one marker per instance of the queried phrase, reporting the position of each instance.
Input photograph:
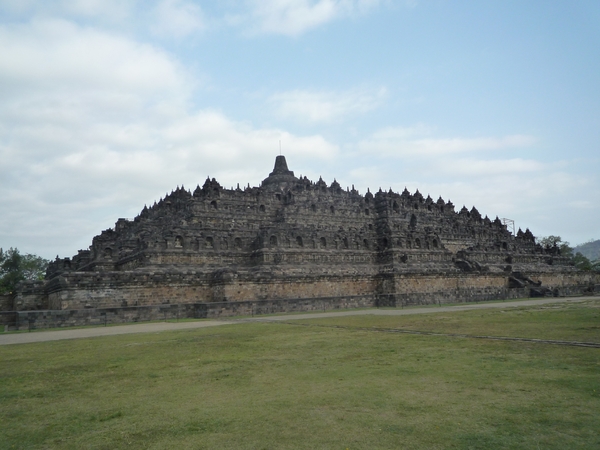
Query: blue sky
(107, 105)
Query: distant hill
(591, 250)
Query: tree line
(579, 260)
(15, 268)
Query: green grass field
(337, 383)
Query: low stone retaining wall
(43, 319)
(24, 320)
(463, 296)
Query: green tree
(550, 242)
(15, 268)
(579, 260)
(582, 262)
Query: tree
(15, 268)
(556, 243)
(582, 262)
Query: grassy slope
(289, 386)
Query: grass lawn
(276, 385)
(578, 321)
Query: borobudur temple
(294, 244)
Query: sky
(108, 105)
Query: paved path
(43, 336)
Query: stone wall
(568, 282)
(432, 289)
(231, 287)
(24, 320)
(468, 292)
(81, 290)
(6, 302)
(92, 290)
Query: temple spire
(281, 175)
(281, 167)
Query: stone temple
(295, 244)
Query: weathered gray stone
(294, 239)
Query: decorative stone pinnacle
(281, 167)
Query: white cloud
(543, 197)
(105, 10)
(401, 142)
(549, 197)
(58, 57)
(113, 9)
(475, 171)
(294, 17)
(178, 18)
(92, 126)
(484, 168)
(583, 204)
(490, 173)
(324, 106)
